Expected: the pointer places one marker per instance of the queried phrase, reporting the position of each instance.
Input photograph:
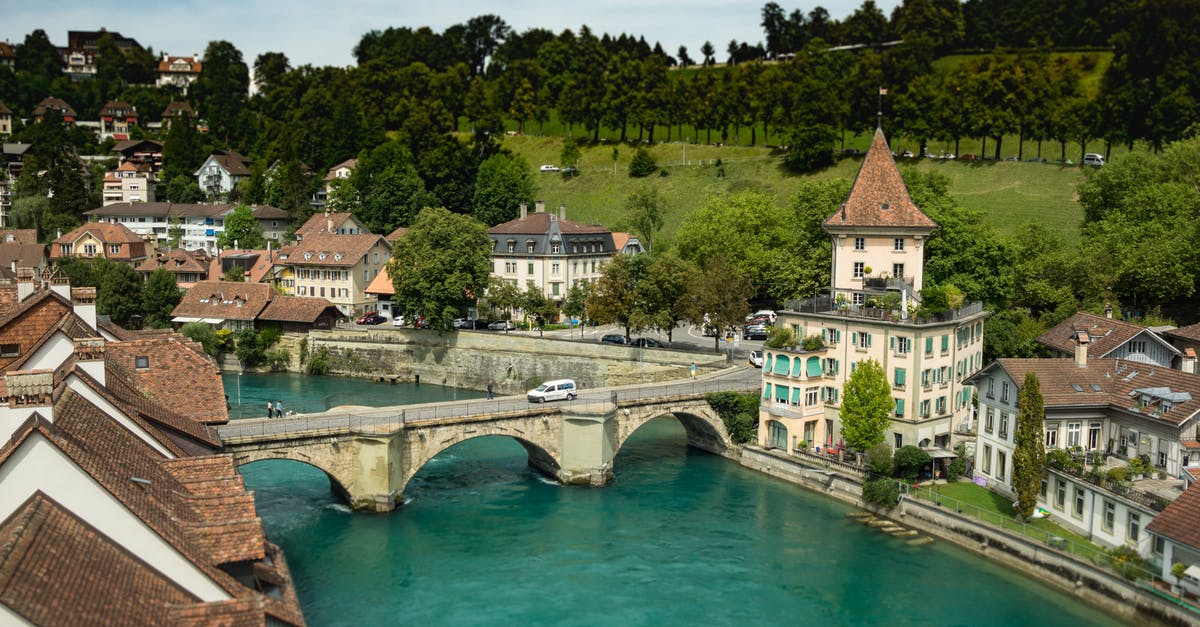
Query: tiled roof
(322, 223)
(224, 300)
(878, 197)
(185, 433)
(538, 223)
(178, 375)
(195, 66)
(4, 110)
(620, 239)
(1104, 334)
(349, 164)
(144, 144)
(234, 163)
(118, 108)
(264, 260)
(382, 283)
(1113, 383)
(178, 261)
(295, 309)
(57, 104)
(186, 210)
(1190, 332)
(326, 249)
(25, 255)
(1180, 521)
(394, 236)
(18, 236)
(30, 320)
(106, 232)
(179, 108)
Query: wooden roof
(878, 197)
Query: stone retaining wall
(1097, 587)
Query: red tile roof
(295, 309)
(1104, 334)
(878, 197)
(1180, 521)
(1190, 332)
(326, 249)
(106, 232)
(349, 164)
(118, 108)
(58, 104)
(224, 300)
(323, 223)
(177, 261)
(178, 375)
(538, 223)
(382, 283)
(394, 236)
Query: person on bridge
(278, 409)
(693, 370)
(490, 395)
(270, 409)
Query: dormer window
(322, 256)
(338, 256)
(529, 247)
(141, 362)
(512, 246)
(307, 256)
(555, 247)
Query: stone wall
(1098, 587)
(512, 363)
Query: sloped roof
(3, 109)
(50, 102)
(296, 309)
(382, 283)
(348, 164)
(178, 108)
(143, 144)
(323, 223)
(1104, 334)
(1179, 521)
(24, 255)
(326, 249)
(195, 66)
(1190, 332)
(878, 197)
(118, 107)
(233, 162)
(178, 261)
(18, 236)
(187, 210)
(224, 300)
(395, 236)
(264, 260)
(538, 223)
(179, 375)
(106, 232)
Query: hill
(1009, 193)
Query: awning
(186, 319)
(939, 453)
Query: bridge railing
(695, 387)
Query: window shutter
(899, 407)
(900, 377)
(868, 340)
(929, 345)
(853, 337)
(892, 342)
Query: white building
(221, 173)
(129, 184)
(199, 224)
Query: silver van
(562, 389)
(1092, 158)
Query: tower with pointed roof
(879, 236)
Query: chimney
(1081, 348)
(1188, 364)
(562, 212)
(329, 225)
(269, 256)
(1108, 310)
(83, 301)
(524, 211)
(89, 356)
(539, 206)
(25, 285)
(60, 285)
(29, 391)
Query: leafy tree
(708, 51)
(183, 152)
(236, 274)
(570, 155)
(880, 460)
(882, 492)
(160, 296)
(536, 305)
(909, 462)
(644, 209)
(615, 298)
(241, 231)
(440, 266)
(739, 412)
(248, 350)
(503, 184)
(504, 296)
(222, 90)
(684, 59)
(664, 292)
(288, 187)
(642, 163)
(575, 304)
(120, 294)
(867, 406)
(1029, 455)
(718, 297)
(204, 334)
(811, 148)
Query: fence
(1125, 567)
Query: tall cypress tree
(1029, 458)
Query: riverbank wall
(1100, 588)
(511, 363)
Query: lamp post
(240, 395)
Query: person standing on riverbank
(279, 409)
(270, 409)
(490, 395)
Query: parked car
(479, 323)
(1092, 158)
(756, 359)
(613, 338)
(398, 321)
(754, 332)
(549, 168)
(762, 313)
(371, 317)
(502, 325)
(570, 170)
(647, 342)
(562, 389)
(461, 323)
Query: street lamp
(239, 395)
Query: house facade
(926, 356)
(51, 103)
(10, 168)
(337, 267)
(117, 119)
(547, 250)
(129, 184)
(1112, 339)
(95, 240)
(221, 172)
(5, 120)
(339, 172)
(178, 72)
(198, 224)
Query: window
(903, 345)
(141, 361)
(991, 392)
(1004, 392)
(1162, 459)
(860, 243)
(1073, 434)
(1078, 502)
(554, 289)
(831, 395)
(899, 438)
(899, 408)
(1137, 346)
(89, 249)
(945, 343)
(1003, 426)
(863, 340)
(512, 246)
(990, 423)
(924, 408)
(10, 350)
(1110, 515)
(1001, 462)
(987, 459)
(928, 346)
(941, 409)
(530, 268)
(1094, 436)
(898, 270)
(555, 268)
(1052, 435)
(812, 396)
(64, 249)
(899, 377)
(529, 247)
(114, 249)
(858, 269)
(556, 248)
(1045, 485)
(859, 299)
(510, 267)
(1060, 494)
(925, 378)
(898, 243)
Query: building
(5, 120)
(197, 225)
(1176, 536)
(189, 267)
(129, 184)
(51, 103)
(89, 41)
(10, 169)
(140, 152)
(874, 314)
(178, 72)
(177, 110)
(94, 240)
(297, 314)
(79, 65)
(8, 54)
(1111, 339)
(19, 248)
(237, 306)
(117, 119)
(330, 223)
(338, 267)
(549, 251)
(339, 172)
(221, 172)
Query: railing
(824, 304)
(1141, 497)
(829, 461)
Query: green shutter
(868, 340)
(797, 367)
(900, 377)
(767, 391)
(854, 338)
(945, 342)
(781, 393)
(767, 363)
(892, 342)
(814, 367)
(796, 396)
(782, 363)
(899, 407)
(929, 345)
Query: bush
(1118, 474)
(880, 461)
(248, 350)
(277, 358)
(642, 164)
(1060, 459)
(781, 337)
(738, 411)
(909, 461)
(318, 362)
(882, 492)
(813, 343)
(1137, 466)
(203, 334)
(956, 469)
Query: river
(678, 537)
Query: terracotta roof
(620, 239)
(263, 262)
(234, 163)
(1104, 334)
(118, 108)
(30, 320)
(18, 236)
(55, 568)
(4, 110)
(145, 144)
(1190, 332)
(1111, 383)
(878, 197)
(382, 283)
(322, 223)
(538, 223)
(224, 300)
(177, 109)
(178, 261)
(57, 104)
(295, 309)
(24, 255)
(178, 375)
(326, 249)
(195, 66)
(1178, 522)
(348, 164)
(394, 236)
(106, 232)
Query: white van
(552, 391)
(1092, 158)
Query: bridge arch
(340, 483)
(540, 439)
(705, 429)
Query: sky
(324, 32)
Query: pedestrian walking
(490, 395)
(270, 410)
(693, 371)
(278, 409)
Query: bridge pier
(588, 444)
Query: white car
(756, 359)
(562, 389)
(549, 168)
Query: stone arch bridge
(370, 455)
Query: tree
(160, 296)
(535, 305)
(120, 294)
(644, 210)
(909, 462)
(867, 406)
(684, 59)
(664, 292)
(708, 51)
(222, 89)
(504, 296)
(575, 304)
(718, 297)
(503, 184)
(203, 333)
(642, 163)
(570, 155)
(1029, 456)
(441, 266)
(241, 231)
(615, 298)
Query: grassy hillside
(1009, 193)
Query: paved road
(738, 378)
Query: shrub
(202, 333)
(880, 461)
(1118, 474)
(813, 343)
(909, 461)
(882, 492)
(268, 336)
(642, 164)
(781, 337)
(1060, 459)
(1137, 466)
(318, 362)
(277, 358)
(956, 469)
(738, 411)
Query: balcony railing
(824, 304)
(895, 283)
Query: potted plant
(802, 445)
(841, 303)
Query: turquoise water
(248, 393)
(679, 537)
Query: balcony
(824, 304)
(886, 283)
